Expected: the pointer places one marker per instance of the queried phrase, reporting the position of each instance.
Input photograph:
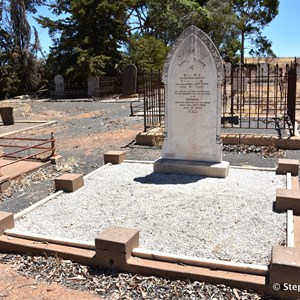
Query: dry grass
(281, 61)
(26, 109)
(158, 138)
(68, 166)
(49, 173)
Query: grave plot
(228, 218)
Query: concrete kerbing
(97, 170)
(289, 143)
(45, 123)
(35, 205)
(201, 262)
(288, 181)
(5, 182)
(49, 239)
(138, 161)
(290, 240)
(6, 221)
(84, 253)
(50, 197)
(142, 261)
(248, 167)
(149, 254)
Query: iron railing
(256, 94)
(154, 100)
(108, 87)
(253, 97)
(69, 90)
(36, 149)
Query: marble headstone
(129, 78)
(240, 81)
(193, 76)
(59, 85)
(262, 70)
(93, 86)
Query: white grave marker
(193, 75)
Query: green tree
(20, 69)
(222, 29)
(91, 34)
(252, 17)
(165, 20)
(146, 52)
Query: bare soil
(13, 286)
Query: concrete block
(110, 259)
(69, 182)
(117, 239)
(288, 166)
(4, 183)
(114, 157)
(285, 270)
(186, 167)
(114, 245)
(56, 160)
(6, 221)
(288, 199)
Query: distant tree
(165, 20)
(252, 17)
(90, 36)
(146, 52)
(222, 29)
(20, 68)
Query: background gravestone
(240, 81)
(129, 78)
(262, 70)
(93, 86)
(193, 75)
(59, 85)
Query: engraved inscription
(192, 91)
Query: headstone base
(190, 167)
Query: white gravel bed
(229, 219)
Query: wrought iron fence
(69, 90)
(111, 86)
(100, 88)
(108, 87)
(22, 149)
(154, 100)
(253, 97)
(256, 95)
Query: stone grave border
(35, 124)
(291, 143)
(117, 248)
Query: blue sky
(282, 31)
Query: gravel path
(230, 219)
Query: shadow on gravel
(159, 178)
